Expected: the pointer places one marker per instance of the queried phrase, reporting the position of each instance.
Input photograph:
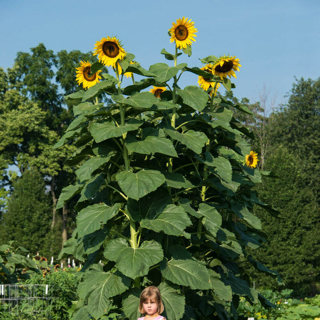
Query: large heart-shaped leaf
(152, 145)
(137, 185)
(222, 166)
(93, 217)
(107, 130)
(194, 97)
(172, 221)
(194, 140)
(186, 272)
(105, 285)
(133, 262)
(174, 303)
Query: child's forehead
(152, 297)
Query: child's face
(150, 306)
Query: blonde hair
(149, 293)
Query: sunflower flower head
(251, 159)
(207, 82)
(109, 51)
(157, 91)
(226, 66)
(84, 75)
(183, 32)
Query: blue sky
(275, 40)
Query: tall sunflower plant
(164, 179)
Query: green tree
(293, 246)
(34, 116)
(27, 220)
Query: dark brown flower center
(87, 74)
(226, 67)
(250, 159)
(208, 77)
(181, 33)
(158, 92)
(110, 49)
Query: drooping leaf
(186, 272)
(177, 180)
(152, 145)
(93, 217)
(66, 136)
(243, 212)
(222, 166)
(194, 140)
(212, 218)
(194, 97)
(85, 171)
(133, 262)
(174, 303)
(137, 185)
(223, 291)
(91, 188)
(107, 130)
(172, 221)
(67, 193)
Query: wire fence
(31, 299)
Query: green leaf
(137, 185)
(96, 67)
(93, 217)
(212, 218)
(172, 221)
(194, 97)
(130, 304)
(67, 193)
(223, 291)
(82, 314)
(222, 166)
(188, 50)
(136, 68)
(167, 54)
(209, 59)
(106, 285)
(141, 100)
(227, 84)
(164, 72)
(100, 86)
(242, 212)
(85, 108)
(177, 180)
(107, 130)
(187, 272)
(138, 86)
(174, 303)
(65, 137)
(74, 98)
(194, 140)
(85, 171)
(92, 187)
(133, 262)
(152, 145)
(125, 63)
